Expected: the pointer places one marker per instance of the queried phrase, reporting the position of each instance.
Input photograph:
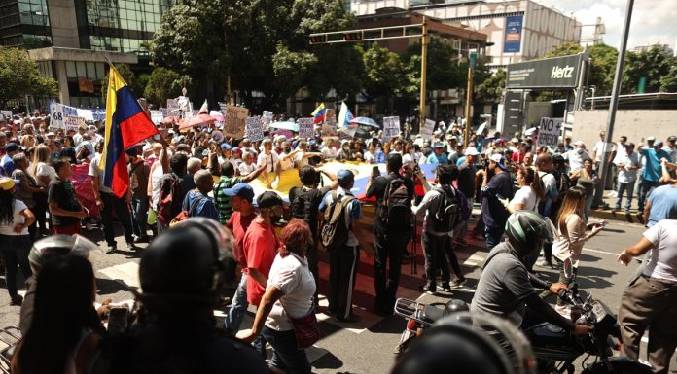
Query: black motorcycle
(556, 349)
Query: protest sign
(330, 118)
(427, 129)
(235, 121)
(5, 115)
(254, 128)
(329, 130)
(391, 127)
(58, 112)
(266, 119)
(156, 116)
(172, 107)
(72, 122)
(306, 127)
(548, 131)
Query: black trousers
(435, 248)
(342, 272)
(389, 249)
(119, 205)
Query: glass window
(82, 68)
(99, 70)
(71, 72)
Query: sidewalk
(606, 211)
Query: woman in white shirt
(288, 298)
(15, 242)
(531, 191)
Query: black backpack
(334, 229)
(448, 211)
(395, 211)
(301, 206)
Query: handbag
(306, 329)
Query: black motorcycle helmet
(455, 306)
(526, 232)
(189, 265)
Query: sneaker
(446, 287)
(430, 289)
(457, 283)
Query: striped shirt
(223, 204)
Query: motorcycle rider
(506, 289)
(183, 274)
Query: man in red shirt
(242, 197)
(260, 246)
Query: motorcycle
(556, 349)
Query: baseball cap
(439, 145)
(345, 176)
(225, 146)
(268, 199)
(11, 147)
(471, 151)
(499, 160)
(7, 183)
(242, 190)
(236, 149)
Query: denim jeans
(286, 353)
(14, 250)
(645, 188)
(492, 236)
(627, 188)
(238, 306)
(140, 216)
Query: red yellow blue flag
(126, 125)
(319, 114)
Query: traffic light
(317, 39)
(352, 36)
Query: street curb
(608, 214)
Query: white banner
(549, 131)
(391, 127)
(59, 112)
(427, 129)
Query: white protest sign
(254, 128)
(306, 127)
(266, 119)
(58, 112)
(548, 131)
(72, 122)
(391, 127)
(156, 116)
(427, 129)
(172, 107)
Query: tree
(164, 84)
(602, 64)
(19, 76)
(669, 82)
(491, 88)
(127, 75)
(443, 68)
(385, 74)
(655, 66)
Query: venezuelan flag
(126, 125)
(319, 114)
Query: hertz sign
(557, 72)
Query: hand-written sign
(235, 121)
(254, 128)
(391, 127)
(266, 119)
(306, 127)
(72, 123)
(427, 129)
(549, 131)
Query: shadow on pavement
(108, 286)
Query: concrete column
(64, 23)
(62, 80)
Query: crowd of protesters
(52, 184)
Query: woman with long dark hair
(15, 241)
(531, 191)
(65, 330)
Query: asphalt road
(368, 345)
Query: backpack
(334, 230)
(301, 206)
(395, 211)
(169, 190)
(448, 213)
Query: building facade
(72, 40)
(519, 30)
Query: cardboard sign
(306, 127)
(391, 127)
(72, 122)
(266, 119)
(548, 131)
(254, 128)
(235, 121)
(330, 117)
(427, 129)
(156, 116)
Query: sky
(653, 21)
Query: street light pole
(424, 75)
(613, 103)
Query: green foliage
(603, 60)
(19, 76)
(164, 84)
(490, 89)
(669, 82)
(444, 70)
(127, 75)
(385, 73)
(656, 64)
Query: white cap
(471, 151)
(651, 139)
(579, 143)
(496, 157)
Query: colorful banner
(513, 34)
(306, 127)
(254, 129)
